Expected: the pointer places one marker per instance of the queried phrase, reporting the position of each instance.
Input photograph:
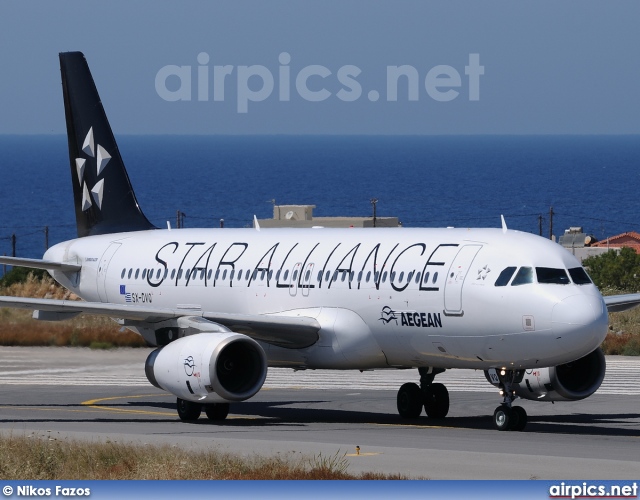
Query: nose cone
(581, 319)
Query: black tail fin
(103, 197)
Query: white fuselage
(384, 297)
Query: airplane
(223, 305)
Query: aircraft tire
(520, 420)
(188, 410)
(436, 401)
(217, 411)
(503, 418)
(409, 400)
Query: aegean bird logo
(102, 157)
(387, 315)
(189, 365)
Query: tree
(618, 270)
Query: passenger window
(224, 275)
(239, 274)
(435, 277)
(217, 274)
(417, 278)
(376, 275)
(344, 275)
(286, 275)
(144, 274)
(335, 275)
(384, 277)
(295, 275)
(158, 274)
(579, 276)
(137, 273)
(209, 274)
(173, 273)
(523, 277)
(505, 276)
(552, 276)
(393, 276)
(180, 274)
(262, 274)
(166, 273)
(270, 274)
(307, 275)
(246, 275)
(327, 276)
(426, 278)
(368, 276)
(122, 275)
(359, 276)
(319, 276)
(401, 277)
(233, 271)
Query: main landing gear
(432, 396)
(189, 411)
(507, 417)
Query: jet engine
(209, 367)
(572, 381)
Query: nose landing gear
(507, 417)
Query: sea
(426, 181)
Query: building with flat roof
(302, 216)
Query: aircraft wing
(295, 332)
(40, 264)
(617, 303)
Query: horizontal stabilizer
(40, 264)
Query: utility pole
(13, 245)
(374, 202)
(180, 219)
(46, 238)
(551, 223)
(540, 225)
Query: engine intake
(209, 367)
(572, 381)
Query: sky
(331, 67)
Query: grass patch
(37, 457)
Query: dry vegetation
(18, 329)
(38, 457)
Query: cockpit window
(523, 277)
(505, 276)
(549, 275)
(579, 276)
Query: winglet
(504, 224)
(255, 223)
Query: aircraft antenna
(504, 224)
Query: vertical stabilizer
(103, 197)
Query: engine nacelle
(209, 367)
(569, 382)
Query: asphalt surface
(73, 393)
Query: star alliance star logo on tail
(102, 157)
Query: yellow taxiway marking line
(369, 454)
(94, 403)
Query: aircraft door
(295, 276)
(307, 276)
(102, 270)
(455, 278)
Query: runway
(98, 395)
